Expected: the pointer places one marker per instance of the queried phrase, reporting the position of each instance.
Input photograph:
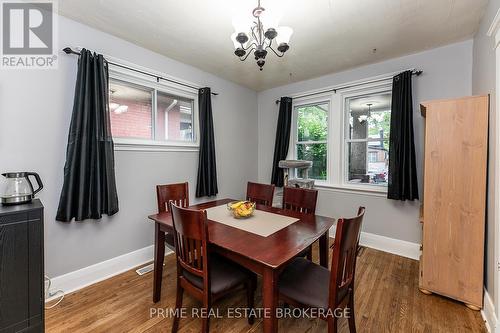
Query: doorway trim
(490, 311)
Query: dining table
(266, 256)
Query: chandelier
(256, 35)
(365, 117)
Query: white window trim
(336, 145)
(130, 144)
(292, 152)
(367, 89)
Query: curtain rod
(68, 50)
(415, 72)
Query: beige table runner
(260, 223)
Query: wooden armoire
(454, 198)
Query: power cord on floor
(48, 283)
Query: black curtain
(207, 169)
(403, 183)
(282, 139)
(89, 188)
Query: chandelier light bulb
(113, 106)
(284, 35)
(239, 51)
(235, 41)
(242, 23)
(271, 18)
(121, 109)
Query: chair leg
(251, 285)
(178, 306)
(205, 322)
(332, 324)
(351, 319)
(205, 325)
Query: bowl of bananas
(241, 209)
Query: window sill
(137, 145)
(376, 191)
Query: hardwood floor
(387, 300)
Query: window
(367, 139)
(372, 156)
(312, 136)
(345, 133)
(131, 110)
(174, 118)
(146, 114)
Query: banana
(242, 208)
(245, 210)
(237, 204)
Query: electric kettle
(18, 188)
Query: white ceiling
(329, 35)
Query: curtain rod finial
(68, 50)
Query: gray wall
(35, 111)
(483, 82)
(447, 74)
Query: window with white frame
(367, 131)
(144, 113)
(311, 141)
(346, 136)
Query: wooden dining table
(266, 256)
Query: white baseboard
(84, 277)
(488, 314)
(387, 244)
(87, 276)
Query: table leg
(323, 250)
(270, 300)
(158, 264)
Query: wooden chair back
(260, 193)
(300, 199)
(191, 240)
(345, 249)
(178, 193)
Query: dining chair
(304, 284)
(206, 276)
(260, 193)
(301, 200)
(179, 194)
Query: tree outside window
(312, 136)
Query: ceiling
(329, 35)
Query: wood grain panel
(456, 139)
